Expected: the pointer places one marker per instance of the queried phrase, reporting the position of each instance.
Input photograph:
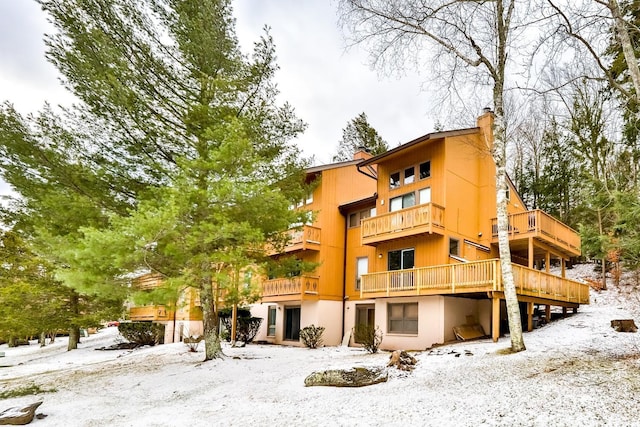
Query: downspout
(344, 273)
(370, 175)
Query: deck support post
(547, 261)
(529, 316)
(564, 311)
(562, 266)
(531, 252)
(547, 313)
(495, 318)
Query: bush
(368, 336)
(142, 333)
(246, 328)
(312, 336)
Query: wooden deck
(542, 227)
(472, 278)
(306, 238)
(290, 288)
(150, 313)
(426, 218)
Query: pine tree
(357, 135)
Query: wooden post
(495, 319)
(563, 267)
(564, 311)
(547, 261)
(529, 316)
(530, 252)
(547, 313)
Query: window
(362, 267)
(394, 180)
(402, 202)
(424, 195)
(356, 218)
(401, 259)
(454, 247)
(309, 198)
(271, 321)
(409, 175)
(425, 170)
(403, 318)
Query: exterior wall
(430, 324)
(318, 313)
(437, 315)
(183, 328)
(456, 311)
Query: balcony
(542, 227)
(291, 288)
(306, 238)
(473, 277)
(150, 313)
(421, 219)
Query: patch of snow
(575, 371)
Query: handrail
(473, 276)
(428, 214)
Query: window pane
(409, 175)
(353, 220)
(394, 260)
(425, 170)
(410, 327)
(362, 267)
(407, 258)
(425, 195)
(271, 330)
(408, 200)
(365, 214)
(454, 247)
(394, 180)
(395, 311)
(396, 204)
(411, 311)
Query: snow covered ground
(576, 371)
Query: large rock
(624, 325)
(354, 377)
(402, 360)
(19, 416)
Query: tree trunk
(622, 35)
(43, 339)
(510, 294)
(210, 323)
(74, 330)
(234, 326)
(74, 338)
(604, 258)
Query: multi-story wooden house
(316, 298)
(434, 236)
(417, 255)
(181, 319)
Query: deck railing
(149, 312)
(477, 276)
(542, 224)
(290, 286)
(421, 218)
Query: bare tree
(463, 41)
(583, 29)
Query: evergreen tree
(177, 153)
(359, 134)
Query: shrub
(142, 333)
(312, 336)
(368, 336)
(246, 328)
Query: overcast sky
(326, 84)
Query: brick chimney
(362, 154)
(485, 123)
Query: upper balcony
(478, 277)
(306, 238)
(420, 219)
(540, 226)
(290, 288)
(150, 313)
